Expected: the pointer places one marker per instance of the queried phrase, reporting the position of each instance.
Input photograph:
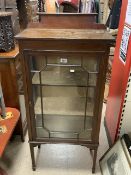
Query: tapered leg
(94, 161)
(32, 157)
(39, 146)
(21, 130)
(92, 153)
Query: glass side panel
(63, 96)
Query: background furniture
(19, 11)
(10, 125)
(41, 5)
(7, 34)
(64, 74)
(32, 9)
(11, 6)
(9, 69)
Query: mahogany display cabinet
(64, 74)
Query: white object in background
(63, 60)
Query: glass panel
(61, 76)
(90, 63)
(92, 79)
(63, 96)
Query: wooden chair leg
(94, 161)
(32, 157)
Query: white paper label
(124, 43)
(72, 70)
(63, 60)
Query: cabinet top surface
(11, 54)
(65, 34)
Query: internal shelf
(64, 106)
(64, 76)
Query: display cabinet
(64, 74)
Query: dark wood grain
(65, 34)
(65, 41)
(66, 20)
(8, 64)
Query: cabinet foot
(34, 168)
(22, 138)
(94, 161)
(39, 146)
(32, 157)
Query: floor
(52, 159)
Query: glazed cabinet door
(63, 89)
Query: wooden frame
(38, 41)
(93, 144)
(64, 20)
(9, 62)
(116, 160)
(100, 57)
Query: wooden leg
(92, 153)
(21, 129)
(32, 157)
(39, 146)
(22, 138)
(94, 161)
